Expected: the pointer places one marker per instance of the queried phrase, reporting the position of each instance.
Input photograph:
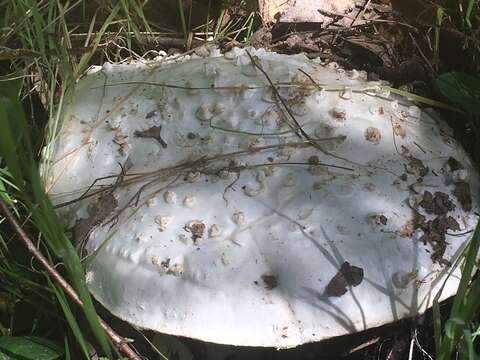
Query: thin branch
(195, 163)
(301, 133)
(119, 342)
(181, 87)
(364, 7)
(285, 163)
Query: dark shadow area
(392, 341)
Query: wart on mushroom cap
(277, 216)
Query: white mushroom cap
(232, 230)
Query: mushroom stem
(119, 342)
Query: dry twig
(117, 340)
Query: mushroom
(221, 208)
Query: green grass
(462, 16)
(17, 154)
(236, 27)
(42, 28)
(457, 336)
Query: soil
(196, 228)
(270, 281)
(347, 276)
(154, 132)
